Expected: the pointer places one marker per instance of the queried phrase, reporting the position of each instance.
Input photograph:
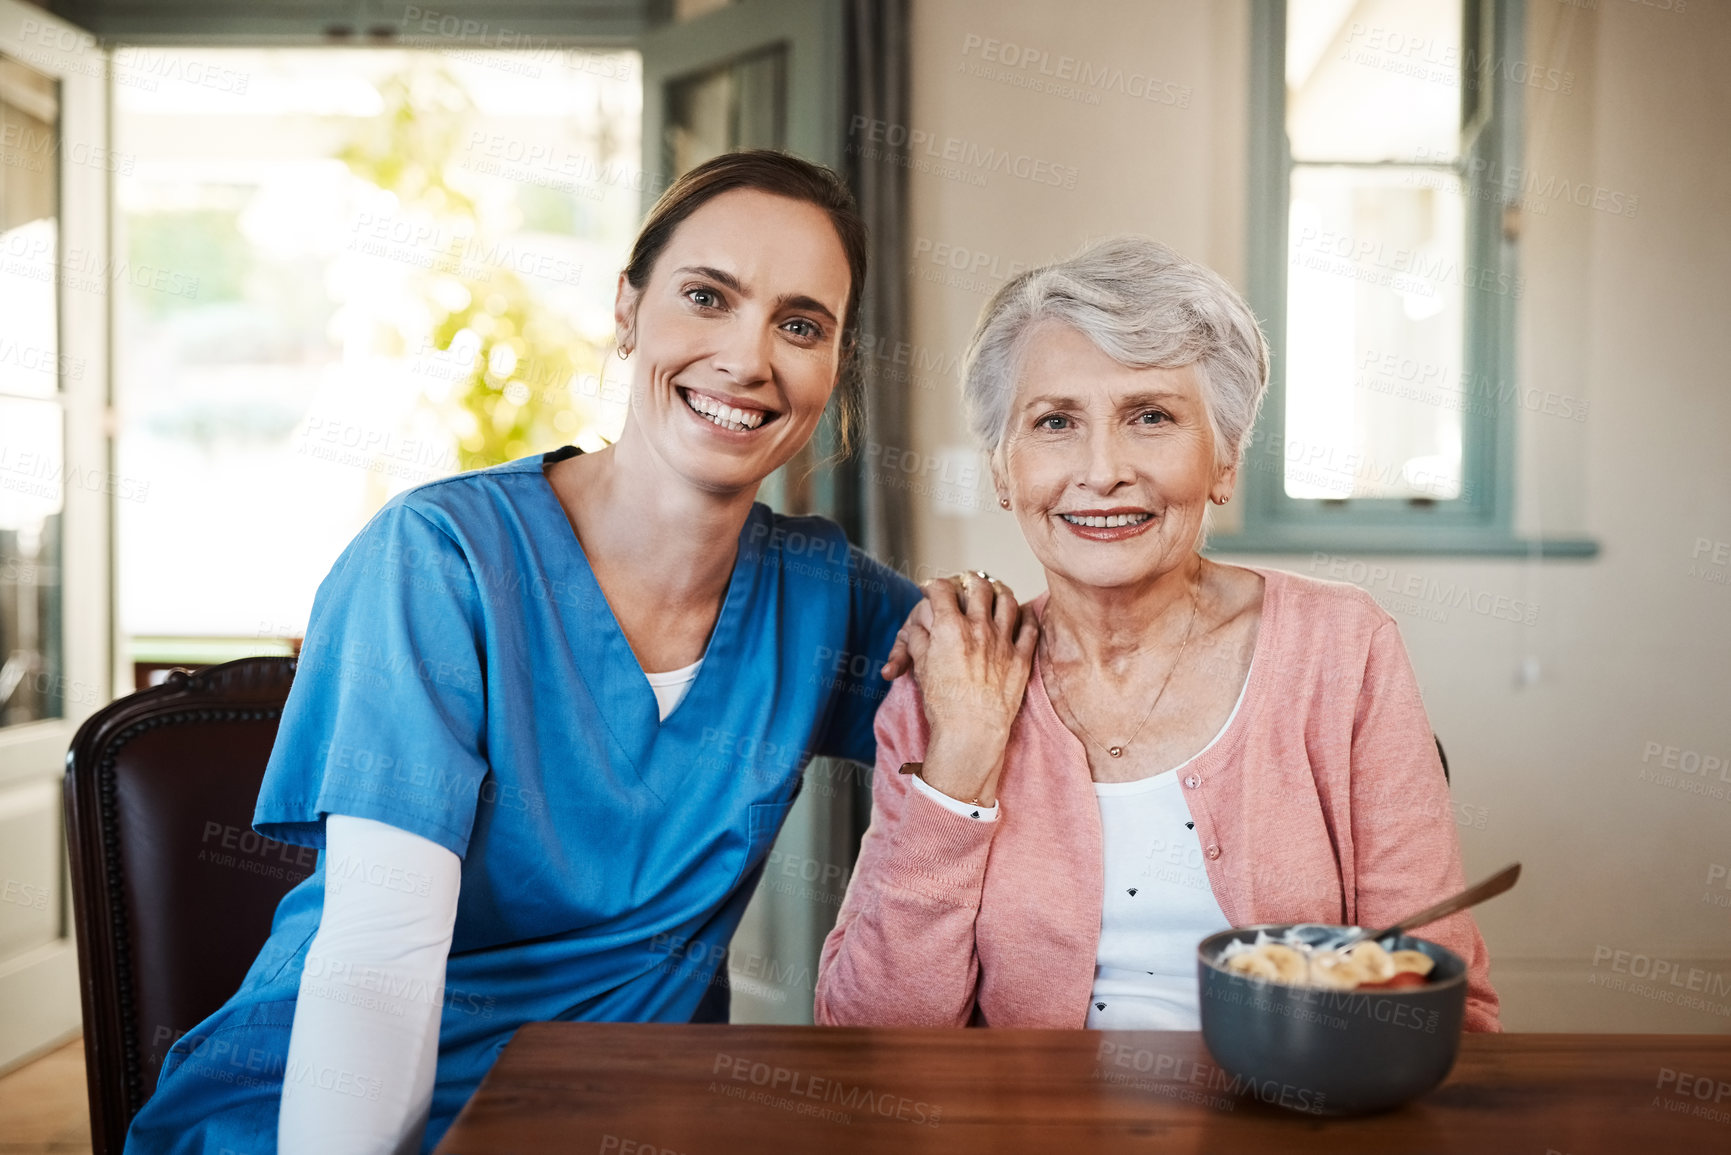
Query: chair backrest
(173, 893)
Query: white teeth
(724, 415)
(1112, 522)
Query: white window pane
(1375, 296)
(33, 482)
(30, 147)
(1373, 80)
(367, 269)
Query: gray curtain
(881, 516)
(877, 88)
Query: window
(1383, 268)
(356, 270)
(32, 408)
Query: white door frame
(39, 1003)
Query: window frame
(1481, 521)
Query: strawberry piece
(1401, 981)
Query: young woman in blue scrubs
(550, 716)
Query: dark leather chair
(172, 891)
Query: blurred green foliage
(516, 398)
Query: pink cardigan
(1323, 801)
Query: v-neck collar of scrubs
(619, 683)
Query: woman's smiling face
(736, 337)
(1109, 469)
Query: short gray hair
(1142, 305)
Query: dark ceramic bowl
(1332, 1052)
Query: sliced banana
(1412, 962)
(1290, 965)
(1375, 961)
(1253, 964)
(1341, 970)
(1335, 971)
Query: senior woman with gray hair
(1187, 745)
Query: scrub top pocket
(762, 825)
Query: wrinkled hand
(971, 650)
(900, 661)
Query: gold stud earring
(1004, 501)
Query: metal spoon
(1471, 896)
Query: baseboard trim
(38, 1003)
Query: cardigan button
(1213, 852)
(1193, 782)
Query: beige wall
(1626, 312)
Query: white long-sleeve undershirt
(364, 1048)
(365, 1043)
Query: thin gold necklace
(1064, 696)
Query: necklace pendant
(1115, 751)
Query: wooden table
(658, 1089)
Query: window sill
(1424, 542)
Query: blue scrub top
(463, 678)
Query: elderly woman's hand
(900, 661)
(972, 655)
